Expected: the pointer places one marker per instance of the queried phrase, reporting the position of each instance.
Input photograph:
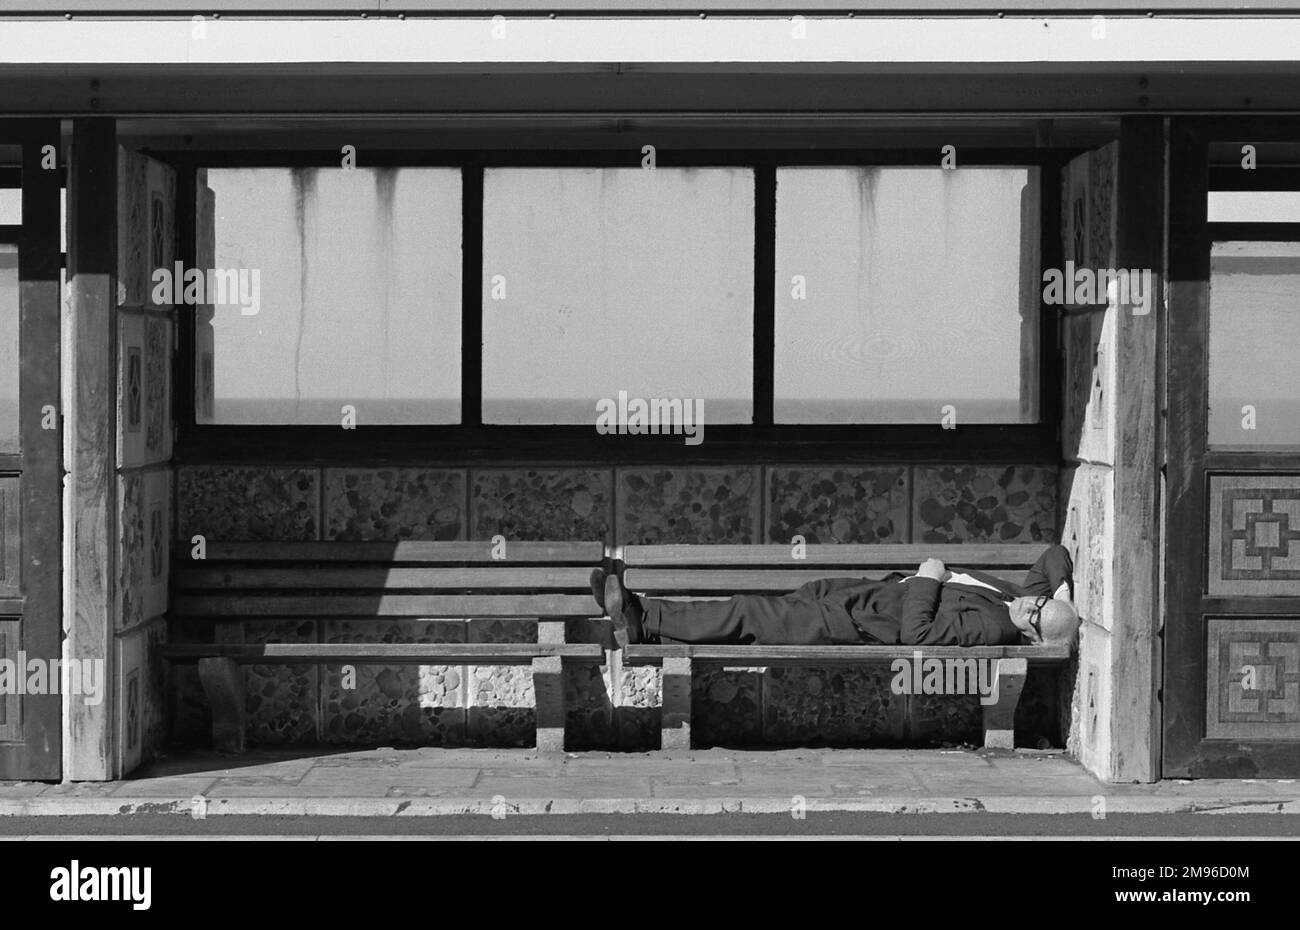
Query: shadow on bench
(241, 583)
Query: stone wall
(610, 706)
(145, 341)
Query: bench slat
(425, 606)
(909, 555)
(387, 653)
(836, 655)
(198, 575)
(731, 581)
(426, 551)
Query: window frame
(762, 441)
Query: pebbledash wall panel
(609, 706)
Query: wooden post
(675, 719)
(1000, 716)
(91, 426)
(1135, 645)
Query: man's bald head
(1060, 623)
(1055, 619)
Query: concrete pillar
(91, 432)
(1114, 220)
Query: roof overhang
(811, 43)
(629, 64)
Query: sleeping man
(934, 607)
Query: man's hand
(932, 568)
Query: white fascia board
(650, 42)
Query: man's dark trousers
(818, 614)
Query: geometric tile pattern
(1255, 535)
(1253, 679)
(10, 536)
(11, 721)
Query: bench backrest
(416, 579)
(731, 569)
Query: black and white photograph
(700, 425)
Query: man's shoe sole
(614, 609)
(598, 578)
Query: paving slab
(568, 786)
(430, 781)
(174, 786)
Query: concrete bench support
(548, 689)
(675, 719)
(1000, 716)
(223, 683)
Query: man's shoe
(623, 608)
(598, 576)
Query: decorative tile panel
(161, 193)
(1255, 535)
(688, 505)
(144, 498)
(10, 536)
(541, 503)
(131, 549)
(157, 419)
(501, 703)
(984, 503)
(239, 503)
(1088, 413)
(1087, 535)
(394, 503)
(727, 707)
(1253, 679)
(157, 516)
(847, 504)
(132, 228)
(131, 671)
(144, 385)
(421, 704)
(281, 700)
(11, 723)
(832, 705)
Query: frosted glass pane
(360, 296)
(1254, 332)
(597, 281)
(9, 348)
(1253, 206)
(900, 291)
(11, 206)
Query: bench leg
(1000, 716)
(548, 689)
(675, 718)
(223, 683)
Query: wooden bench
(242, 583)
(687, 572)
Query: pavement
(435, 782)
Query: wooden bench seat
(242, 583)
(689, 572)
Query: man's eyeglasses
(1036, 615)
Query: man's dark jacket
(924, 612)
